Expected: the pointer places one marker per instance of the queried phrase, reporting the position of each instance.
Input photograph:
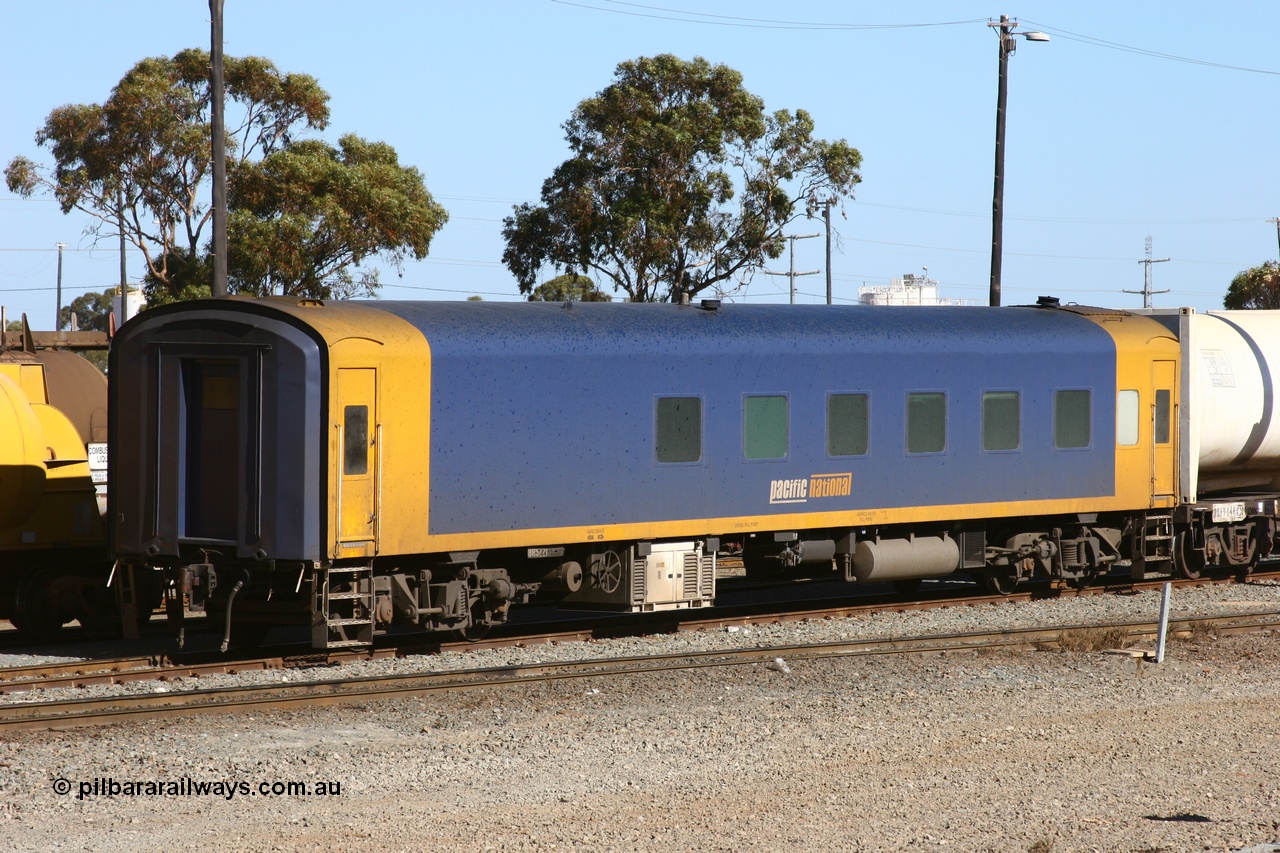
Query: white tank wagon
(1235, 422)
(1228, 439)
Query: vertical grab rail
(377, 495)
(340, 456)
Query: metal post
(218, 287)
(792, 274)
(826, 215)
(1007, 45)
(1164, 621)
(57, 319)
(124, 277)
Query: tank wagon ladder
(342, 611)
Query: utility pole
(792, 274)
(1008, 44)
(124, 278)
(218, 287)
(1277, 222)
(1146, 278)
(57, 321)
(826, 215)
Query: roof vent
(709, 305)
(1048, 302)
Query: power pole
(1277, 222)
(792, 274)
(218, 287)
(1008, 44)
(57, 320)
(1146, 279)
(124, 278)
(826, 215)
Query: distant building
(911, 289)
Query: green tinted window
(764, 427)
(848, 432)
(1001, 420)
(926, 423)
(1071, 416)
(678, 429)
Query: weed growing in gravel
(1199, 630)
(1092, 639)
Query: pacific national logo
(816, 486)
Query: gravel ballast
(1045, 751)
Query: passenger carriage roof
(617, 328)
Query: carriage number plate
(535, 553)
(1228, 512)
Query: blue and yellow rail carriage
(351, 466)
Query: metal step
(337, 623)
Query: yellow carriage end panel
(1148, 399)
(379, 416)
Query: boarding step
(339, 623)
(342, 609)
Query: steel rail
(161, 667)
(75, 713)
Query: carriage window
(764, 427)
(926, 423)
(355, 439)
(678, 429)
(1071, 416)
(1001, 420)
(1162, 416)
(847, 425)
(1127, 418)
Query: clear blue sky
(1105, 145)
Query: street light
(1007, 46)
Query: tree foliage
(138, 164)
(91, 310)
(1258, 287)
(678, 181)
(306, 215)
(569, 287)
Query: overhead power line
(1142, 51)
(709, 19)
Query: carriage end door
(358, 454)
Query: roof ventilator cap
(1048, 302)
(709, 305)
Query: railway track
(75, 713)
(164, 667)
